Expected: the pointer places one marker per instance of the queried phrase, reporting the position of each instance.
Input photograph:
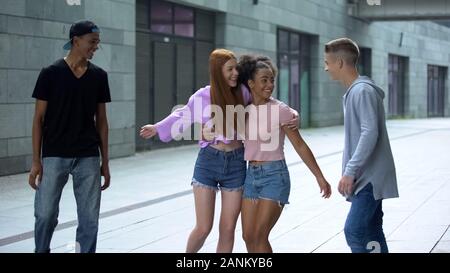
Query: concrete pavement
(149, 207)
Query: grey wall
(32, 34)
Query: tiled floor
(418, 221)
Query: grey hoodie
(367, 152)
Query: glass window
(397, 77)
(395, 64)
(161, 17)
(294, 66)
(294, 44)
(283, 81)
(142, 14)
(204, 25)
(305, 46)
(184, 22)
(283, 41)
(294, 100)
(170, 70)
(436, 90)
(365, 61)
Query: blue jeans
(86, 185)
(364, 224)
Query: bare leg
(248, 219)
(258, 219)
(231, 207)
(204, 211)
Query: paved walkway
(149, 207)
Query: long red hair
(221, 93)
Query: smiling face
(87, 44)
(263, 84)
(230, 73)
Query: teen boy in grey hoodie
(368, 170)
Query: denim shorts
(269, 180)
(217, 169)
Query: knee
(89, 217)
(349, 231)
(90, 225)
(203, 231)
(46, 216)
(354, 234)
(227, 230)
(250, 237)
(45, 221)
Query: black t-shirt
(69, 123)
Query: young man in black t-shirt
(69, 127)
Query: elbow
(102, 127)
(300, 143)
(38, 124)
(165, 139)
(38, 119)
(371, 133)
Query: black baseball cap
(80, 28)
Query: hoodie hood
(369, 81)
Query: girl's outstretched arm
(307, 156)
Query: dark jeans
(364, 224)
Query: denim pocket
(275, 171)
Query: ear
(251, 83)
(341, 63)
(75, 40)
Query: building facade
(156, 53)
